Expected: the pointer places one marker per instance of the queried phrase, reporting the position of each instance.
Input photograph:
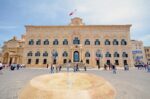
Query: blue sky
(15, 14)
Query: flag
(71, 13)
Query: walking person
(60, 67)
(98, 66)
(68, 66)
(126, 67)
(18, 66)
(114, 69)
(74, 68)
(84, 68)
(148, 68)
(77, 67)
(51, 69)
(105, 67)
(47, 65)
(57, 69)
(145, 66)
(1, 67)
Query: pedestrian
(12, 66)
(105, 67)
(60, 68)
(18, 65)
(84, 68)
(74, 68)
(148, 68)
(77, 67)
(57, 68)
(68, 65)
(47, 65)
(126, 67)
(98, 66)
(51, 69)
(1, 67)
(114, 69)
(145, 66)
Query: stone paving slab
(132, 84)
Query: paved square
(133, 84)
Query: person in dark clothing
(85, 68)
(18, 66)
(105, 67)
(114, 69)
(47, 66)
(98, 66)
(60, 68)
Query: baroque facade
(91, 44)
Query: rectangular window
(125, 62)
(87, 61)
(37, 61)
(54, 61)
(45, 61)
(29, 61)
(116, 62)
(108, 62)
(65, 61)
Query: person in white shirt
(1, 67)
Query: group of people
(141, 66)
(111, 67)
(57, 68)
(54, 67)
(11, 66)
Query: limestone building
(147, 54)
(91, 44)
(138, 52)
(13, 51)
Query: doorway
(76, 57)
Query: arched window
(116, 54)
(65, 54)
(76, 40)
(38, 42)
(123, 42)
(31, 42)
(107, 54)
(98, 53)
(97, 42)
(87, 42)
(55, 42)
(115, 42)
(87, 54)
(124, 54)
(46, 42)
(107, 42)
(65, 42)
(45, 53)
(30, 53)
(54, 54)
(37, 53)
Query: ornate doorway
(76, 57)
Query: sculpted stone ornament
(68, 86)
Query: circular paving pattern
(68, 86)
